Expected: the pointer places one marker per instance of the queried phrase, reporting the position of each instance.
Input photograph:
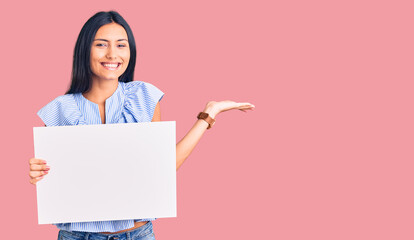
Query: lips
(111, 65)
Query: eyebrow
(100, 39)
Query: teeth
(111, 65)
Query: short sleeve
(62, 111)
(140, 102)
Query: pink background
(326, 154)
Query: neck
(101, 90)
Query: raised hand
(213, 108)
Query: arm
(38, 167)
(190, 140)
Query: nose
(111, 53)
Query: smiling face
(109, 52)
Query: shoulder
(139, 86)
(60, 102)
(140, 89)
(141, 98)
(58, 111)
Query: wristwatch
(207, 118)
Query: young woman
(102, 91)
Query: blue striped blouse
(131, 102)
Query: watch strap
(207, 118)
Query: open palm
(215, 108)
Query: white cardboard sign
(106, 172)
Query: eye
(121, 45)
(100, 44)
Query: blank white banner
(106, 172)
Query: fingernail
(45, 172)
(47, 167)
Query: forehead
(111, 31)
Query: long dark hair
(81, 69)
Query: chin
(106, 78)
(112, 79)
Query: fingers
(38, 164)
(214, 108)
(35, 180)
(36, 161)
(38, 169)
(40, 176)
(35, 174)
(246, 105)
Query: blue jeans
(142, 233)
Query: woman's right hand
(38, 169)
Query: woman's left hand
(213, 108)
